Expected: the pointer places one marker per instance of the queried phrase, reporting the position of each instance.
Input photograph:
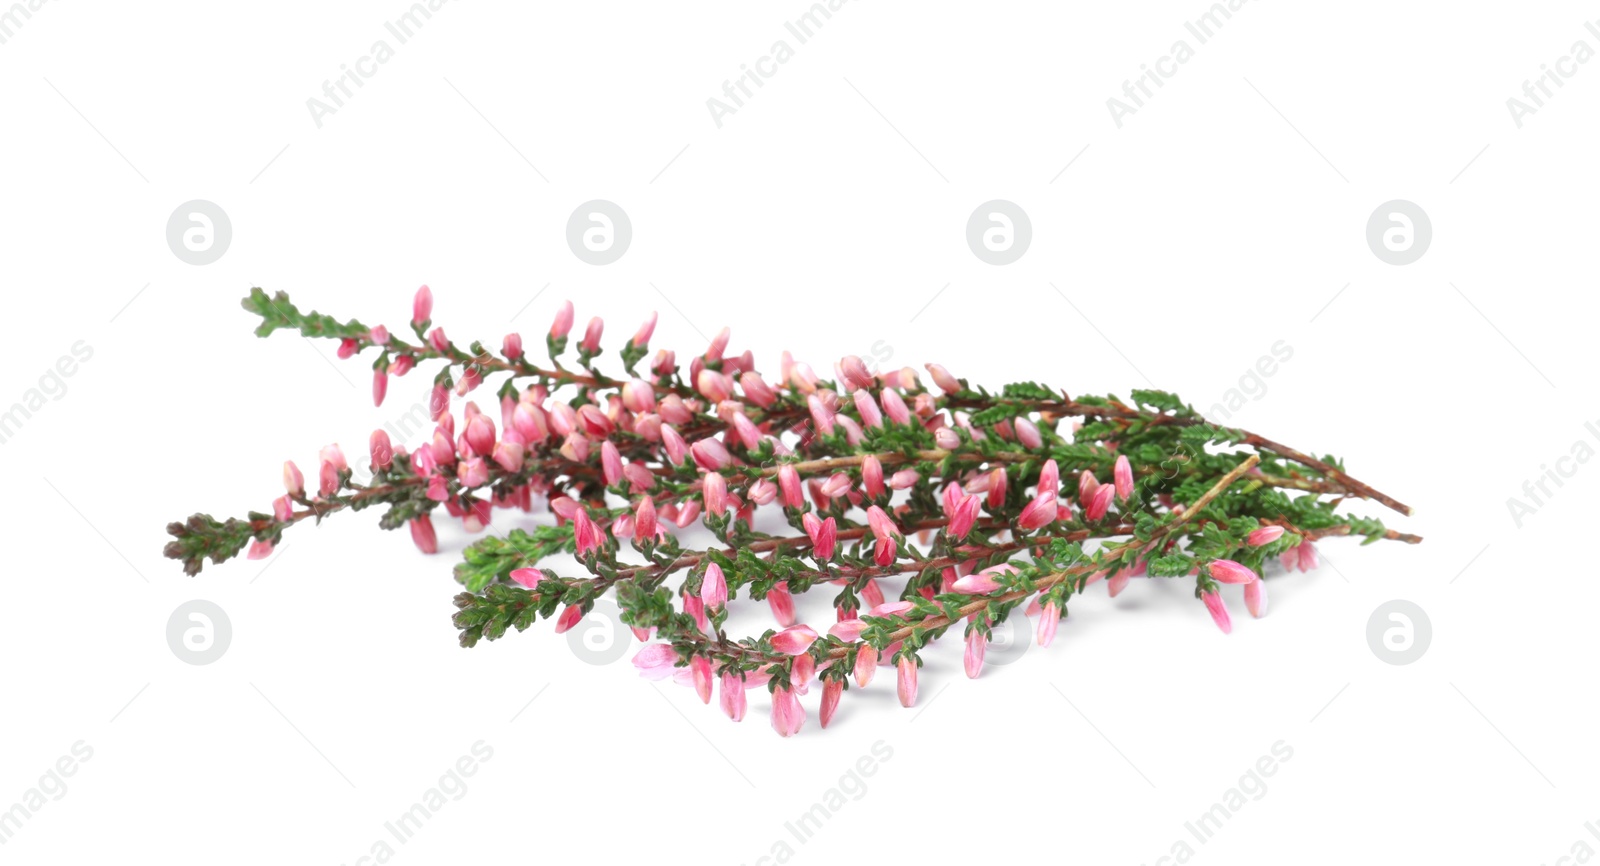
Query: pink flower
(855, 371)
(1028, 433)
(328, 480)
(824, 535)
(585, 533)
(893, 608)
(644, 519)
(293, 482)
(713, 386)
(610, 462)
(831, 692)
(259, 550)
(905, 479)
(380, 385)
(848, 629)
(1117, 583)
(852, 430)
(983, 581)
(866, 664)
(1219, 612)
(527, 577)
(594, 421)
(732, 696)
(380, 450)
(1228, 571)
(965, 516)
(438, 341)
(641, 337)
(591, 335)
(571, 616)
(789, 483)
(473, 472)
(638, 396)
(1039, 512)
(713, 587)
(941, 377)
(422, 534)
(906, 681)
(333, 454)
(283, 509)
(872, 476)
(972, 659)
(788, 716)
(757, 390)
(1049, 618)
(1264, 535)
(837, 485)
(563, 321)
(763, 492)
(882, 526)
(714, 489)
(821, 415)
(946, 439)
(709, 454)
(379, 336)
(1255, 598)
(894, 407)
(422, 307)
(1087, 485)
(509, 452)
(719, 345)
(794, 640)
(1100, 503)
(997, 488)
(782, 603)
(868, 409)
(480, 435)
(746, 430)
(1122, 477)
(672, 443)
(655, 661)
(700, 668)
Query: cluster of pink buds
(685, 486)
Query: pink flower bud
(380, 385)
(966, 515)
(719, 344)
(422, 307)
(757, 389)
(713, 386)
(906, 681)
(563, 321)
(789, 483)
(802, 378)
(714, 489)
(821, 415)
(1219, 612)
(709, 454)
(794, 640)
(1308, 556)
(1122, 477)
(473, 472)
(1049, 618)
(1028, 433)
(438, 341)
(882, 526)
(594, 421)
(585, 533)
(1100, 504)
(946, 439)
(402, 364)
(732, 696)
(610, 462)
(977, 584)
(1049, 479)
(283, 509)
(905, 479)
(746, 430)
(972, 659)
(837, 485)
(259, 550)
(872, 476)
(997, 488)
(788, 716)
(1040, 511)
(782, 603)
(763, 492)
(1228, 571)
(641, 337)
(866, 665)
(571, 616)
(655, 661)
(335, 455)
(894, 408)
(422, 534)
(293, 482)
(665, 363)
(591, 335)
(480, 435)
(511, 347)
(824, 535)
(327, 480)
(700, 669)
(527, 577)
(943, 379)
(1264, 535)
(831, 692)
(379, 336)
(644, 519)
(868, 409)
(1255, 598)
(380, 450)
(848, 629)
(714, 587)
(1117, 583)
(1087, 485)
(855, 371)
(438, 402)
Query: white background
(1224, 216)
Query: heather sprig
(969, 506)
